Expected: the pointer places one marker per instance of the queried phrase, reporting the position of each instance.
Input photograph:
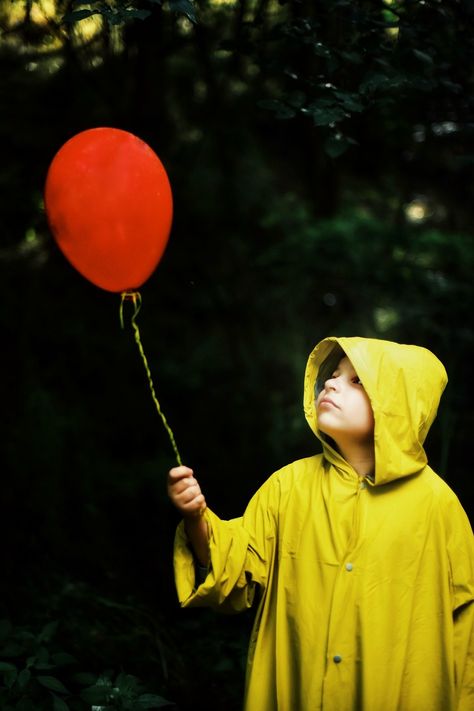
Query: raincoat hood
(404, 384)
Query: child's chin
(326, 431)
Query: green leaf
(86, 678)
(452, 86)
(23, 678)
(96, 695)
(59, 704)
(423, 56)
(326, 116)
(337, 144)
(352, 57)
(10, 678)
(127, 684)
(351, 102)
(373, 82)
(44, 666)
(135, 12)
(7, 667)
(320, 50)
(50, 682)
(152, 701)
(78, 15)
(48, 631)
(184, 7)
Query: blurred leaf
(9, 678)
(85, 678)
(50, 682)
(374, 81)
(152, 701)
(47, 633)
(452, 86)
(23, 678)
(127, 683)
(352, 57)
(96, 695)
(423, 56)
(350, 101)
(327, 116)
(44, 666)
(338, 144)
(59, 704)
(184, 7)
(78, 15)
(320, 50)
(137, 13)
(6, 666)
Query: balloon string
(136, 298)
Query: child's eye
(356, 380)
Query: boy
(361, 558)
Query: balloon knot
(135, 298)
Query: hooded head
(404, 385)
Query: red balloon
(109, 206)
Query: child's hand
(185, 492)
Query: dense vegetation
(321, 156)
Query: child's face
(343, 407)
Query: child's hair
(327, 368)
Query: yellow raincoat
(365, 588)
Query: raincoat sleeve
(241, 553)
(460, 544)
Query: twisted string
(136, 299)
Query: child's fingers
(178, 473)
(183, 484)
(179, 479)
(185, 491)
(196, 505)
(189, 493)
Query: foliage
(346, 62)
(37, 674)
(122, 11)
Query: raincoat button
(337, 658)
(349, 567)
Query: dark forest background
(321, 158)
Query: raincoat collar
(404, 384)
